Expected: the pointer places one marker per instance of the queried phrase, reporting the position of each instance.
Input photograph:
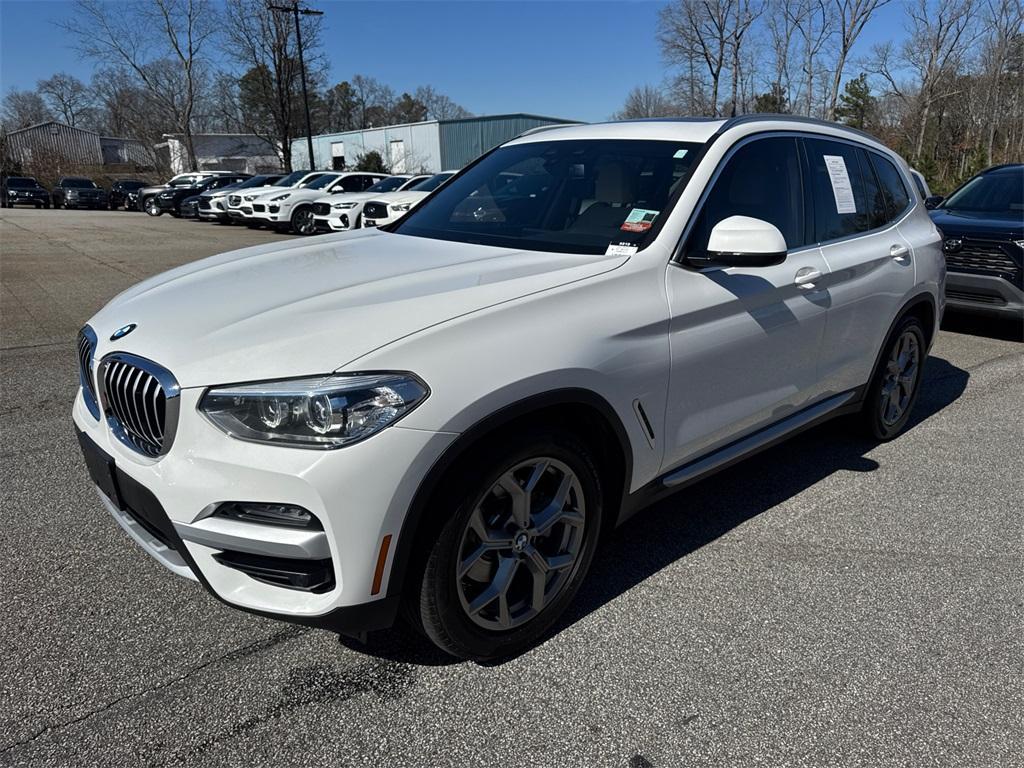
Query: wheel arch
(922, 306)
(582, 411)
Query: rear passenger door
(858, 197)
(744, 341)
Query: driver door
(744, 341)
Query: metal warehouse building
(60, 142)
(429, 147)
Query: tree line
(949, 95)
(194, 66)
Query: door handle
(899, 253)
(805, 277)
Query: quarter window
(897, 198)
(761, 180)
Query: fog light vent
(288, 515)
(303, 575)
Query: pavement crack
(236, 653)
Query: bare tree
(815, 27)
(1004, 20)
(940, 34)
(67, 96)
(701, 26)
(744, 14)
(645, 101)
(137, 35)
(24, 108)
(439, 106)
(852, 16)
(263, 46)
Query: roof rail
(1000, 167)
(540, 128)
(732, 122)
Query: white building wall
(420, 145)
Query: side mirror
(742, 241)
(933, 202)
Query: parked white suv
(292, 209)
(448, 414)
(386, 209)
(331, 214)
(240, 203)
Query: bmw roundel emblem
(123, 331)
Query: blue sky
(574, 59)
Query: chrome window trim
(678, 258)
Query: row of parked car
(303, 202)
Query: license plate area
(101, 470)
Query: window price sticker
(620, 249)
(842, 190)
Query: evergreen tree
(856, 104)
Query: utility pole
(296, 11)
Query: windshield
(132, 184)
(186, 181)
(1001, 192)
(258, 181)
(321, 182)
(292, 178)
(432, 183)
(22, 182)
(577, 196)
(78, 184)
(387, 185)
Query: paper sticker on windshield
(639, 220)
(842, 190)
(680, 154)
(620, 249)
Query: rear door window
(839, 190)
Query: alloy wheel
(302, 221)
(900, 378)
(521, 544)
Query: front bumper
(166, 505)
(41, 198)
(983, 294)
(331, 223)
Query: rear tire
(500, 573)
(893, 391)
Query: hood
(310, 307)
(408, 196)
(301, 195)
(151, 190)
(349, 197)
(978, 224)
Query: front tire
(152, 208)
(894, 389)
(302, 221)
(523, 523)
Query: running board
(757, 441)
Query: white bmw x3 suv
(441, 419)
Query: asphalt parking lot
(829, 602)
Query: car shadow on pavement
(697, 516)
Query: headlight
(318, 412)
(285, 196)
(344, 206)
(401, 206)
